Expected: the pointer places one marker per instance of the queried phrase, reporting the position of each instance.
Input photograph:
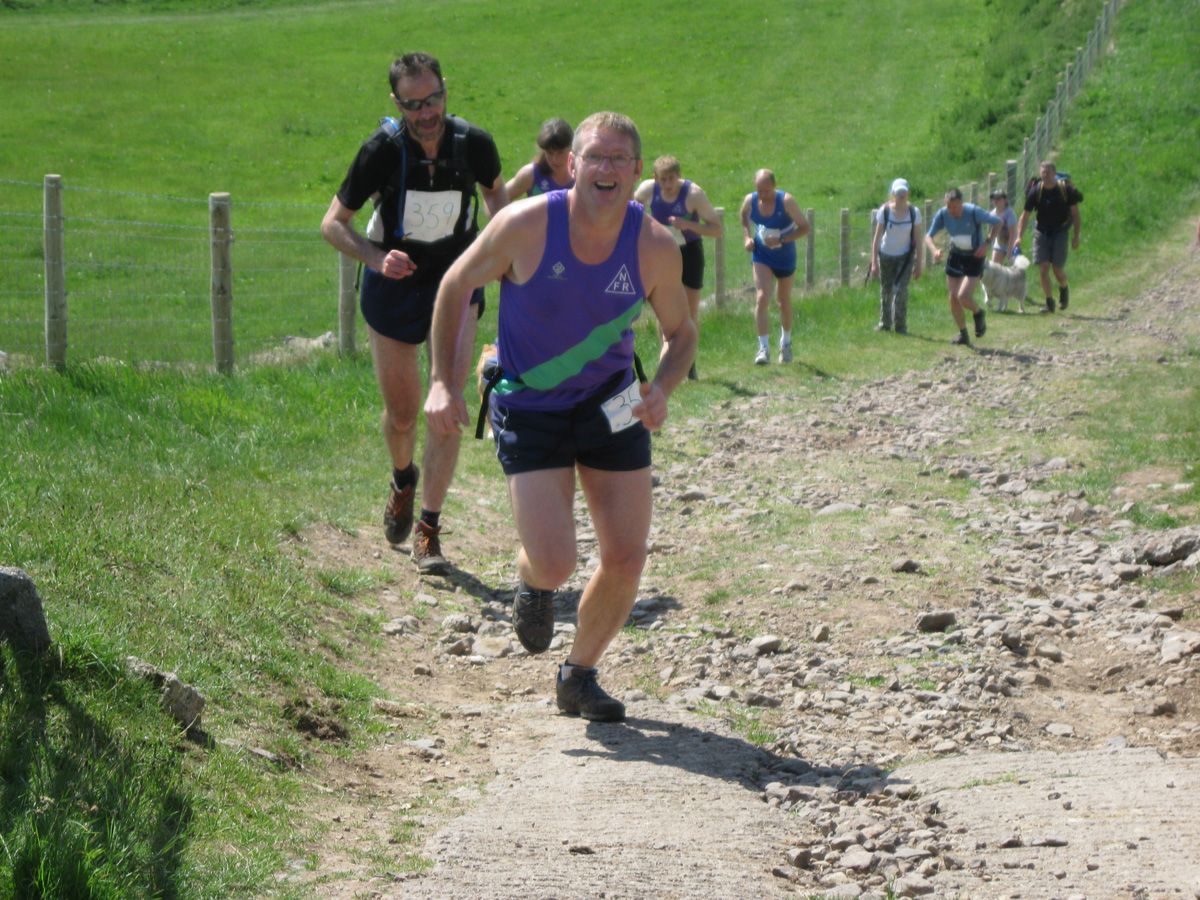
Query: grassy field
(153, 507)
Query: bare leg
(620, 504)
(784, 291)
(543, 507)
(763, 279)
(441, 451)
(399, 381)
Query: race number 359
(431, 215)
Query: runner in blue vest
(576, 267)
(422, 172)
(772, 222)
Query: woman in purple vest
(548, 171)
(683, 207)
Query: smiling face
(605, 166)
(427, 123)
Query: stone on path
(22, 620)
(937, 620)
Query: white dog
(1005, 283)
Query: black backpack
(462, 175)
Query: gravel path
(1017, 649)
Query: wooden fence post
(56, 272)
(973, 190)
(347, 306)
(719, 261)
(810, 249)
(844, 250)
(221, 239)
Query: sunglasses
(417, 105)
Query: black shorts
(964, 265)
(532, 440)
(402, 309)
(693, 264)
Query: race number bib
(961, 242)
(619, 408)
(764, 233)
(431, 215)
(678, 235)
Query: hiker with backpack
(896, 256)
(964, 223)
(421, 170)
(1055, 201)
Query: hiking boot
(1064, 296)
(901, 329)
(533, 618)
(398, 514)
(580, 695)
(1049, 304)
(785, 353)
(882, 327)
(427, 549)
(980, 324)
(961, 338)
(763, 357)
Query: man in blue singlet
(772, 223)
(422, 173)
(576, 268)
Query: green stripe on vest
(553, 372)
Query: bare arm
(747, 225)
(645, 192)
(519, 185)
(1075, 223)
(490, 257)
(338, 229)
(697, 202)
(876, 240)
(495, 198)
(792, 208)
(662, 270)
(1021, 223)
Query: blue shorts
(532, 440)
(401, 309)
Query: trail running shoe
(763, 357)
(961, 338)
(533, 618)
(398, 514)
(427, 549)
(785, 353)
(1049, 304)
(980, 324)
(1064, 296)
(580, 695)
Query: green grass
(154, 507)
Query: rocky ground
(884, 642)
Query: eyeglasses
(417, 105)
(616, 160)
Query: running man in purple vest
(683, 207)
(576, 268)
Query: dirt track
(1060, 715)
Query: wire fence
(141, 270)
